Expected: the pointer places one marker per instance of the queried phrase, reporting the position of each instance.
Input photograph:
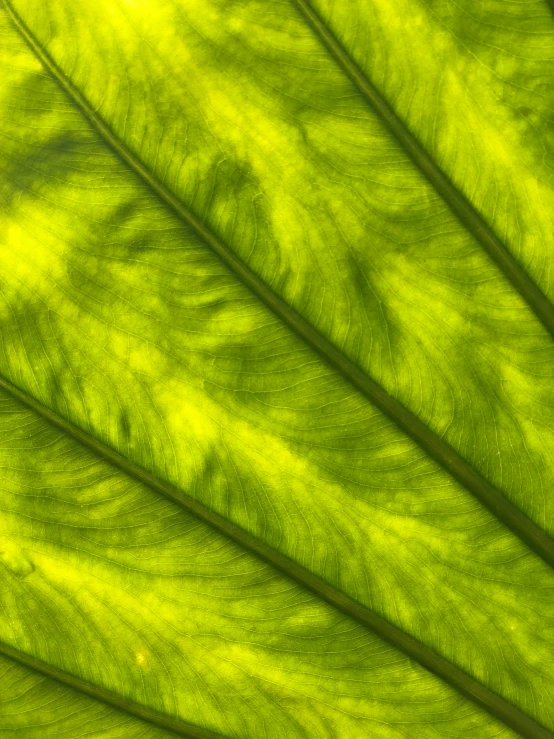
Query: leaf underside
(276, 412)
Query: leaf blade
(442, 452)
(414, 649)
(81, 263)
(454, 198)
(157, 615)
(136, 710)
(32, 706)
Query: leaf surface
(138, 135)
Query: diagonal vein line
(452, 196)
(533, 535)
(161, 720)
(416, 650)
(434, 445)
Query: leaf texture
(140, 138)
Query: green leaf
(277, 408)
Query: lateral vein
(466, 213)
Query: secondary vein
(454, 676)
(157, 718)
(453, 197)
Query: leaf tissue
(277, 369)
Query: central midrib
(437, 448)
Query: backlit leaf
(277, 369)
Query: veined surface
(119, 318)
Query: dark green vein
(550, 4)
(454, 198)
(435, 446)
(416, 650)
(130, 707)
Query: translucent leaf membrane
(32, 707)
(242, 112)
(112, 584)
(474, 82)
(118, 317)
